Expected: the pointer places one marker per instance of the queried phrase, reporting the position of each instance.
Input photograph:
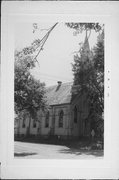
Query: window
(24, 122)
(47, 119)
(34, 123)
(61, 114)
(75, 114)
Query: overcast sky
(56, 58)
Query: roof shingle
(61, 95)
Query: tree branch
(43, 40)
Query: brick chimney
(59, 84)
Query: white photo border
(19, 12)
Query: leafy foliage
(89, 75)
(29, 93)
(85, 26)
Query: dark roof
(59, 94)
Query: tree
(88, 27)
(88, 69)
(85, 26)
(99, 81)
(29, 93)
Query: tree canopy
(29, 93)
(85, 26)
(88, 70)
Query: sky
(58, 52)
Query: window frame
(34, 123)
(24, 121)
(61, 117)
(75, 114)
(47, 117)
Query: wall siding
(70, 128)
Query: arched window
(24, 121)
(47, 119)
(75, 114)
(61, 114)
(34, 123)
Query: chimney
(59, 84)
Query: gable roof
(59, 94)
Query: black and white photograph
(59, 90)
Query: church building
(67, 116)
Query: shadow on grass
(23, 154)
(80, 146)
(96, 153)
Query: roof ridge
(62, 84)
(60, 96)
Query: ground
(50, 151)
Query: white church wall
(70, 128)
